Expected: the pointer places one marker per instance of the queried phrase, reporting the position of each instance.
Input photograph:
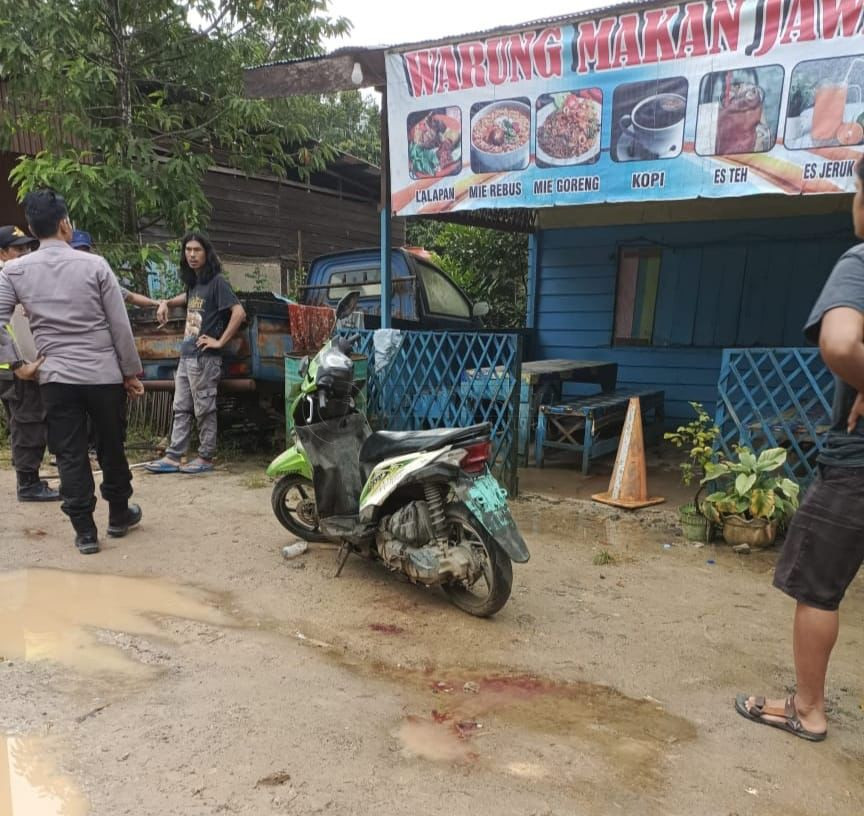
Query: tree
(133, 102)
(347, 121)
(489, 265)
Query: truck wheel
(293, 502)
(492, 588)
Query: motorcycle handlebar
(346, 344)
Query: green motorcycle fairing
(487, 501)
(293, 460)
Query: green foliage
(603, 558)
(346, 121)
(258, 281)
(132, 102)
(749, 488)
(698, 436)
(489, 265)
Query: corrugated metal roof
(350, 50)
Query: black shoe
(37, 492)
(87, 543)
(119, 526)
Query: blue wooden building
(664, 287)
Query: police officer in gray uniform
(20, 397)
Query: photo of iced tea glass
(829, 108)
(738, 119)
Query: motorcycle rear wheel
(293, 502)
(497, 577)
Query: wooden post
(386, 255)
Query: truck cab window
(366, 280)
(443, 296)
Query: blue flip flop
(163, 465)
(198, 465)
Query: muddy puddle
(566, 524)
(628, 537)
(589, 734)
(30, 783)
(473, 718)
(58, 616)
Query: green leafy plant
(751, 489)
(698, 437)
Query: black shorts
(825, 544)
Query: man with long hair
(87, 363)
(213, 317)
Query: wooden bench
(592, 425)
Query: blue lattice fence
(778, 397)
(450, 379)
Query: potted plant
(698, 437)
(754, 499)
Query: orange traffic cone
(628, 487)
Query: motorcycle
(423, 503)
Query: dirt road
(255, 686)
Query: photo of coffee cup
(656, 125)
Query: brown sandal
(791, 721)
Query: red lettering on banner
(520, 56)
(421, 73)
(594, 48)
(548, 59)
(658, 45)
(726, 25)
(497, 60)
(772, 13)
(472, 56)
(800, 22)
(656, 35)
(844, 15)
(448, 79)
(692, 37)
(625, 48)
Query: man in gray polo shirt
(88, 363)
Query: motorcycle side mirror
(347, 305)
(481, 309)
(304, 366)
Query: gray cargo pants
(27, 429)
(195, 394)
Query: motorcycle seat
(383, 445)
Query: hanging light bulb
(357, 74)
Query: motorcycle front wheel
(491, 589)
(293, 502)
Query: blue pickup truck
(424, 297)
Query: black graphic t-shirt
(208, 309)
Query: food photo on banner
(739, 111)
(500, 135)
(700, 99)
(648, 120)
(826, 104)
(568, 127)
(435, 143)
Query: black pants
(27, 429)
(68, 407)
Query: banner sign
(703, 99)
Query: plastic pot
(694, 525)
(758, 533)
